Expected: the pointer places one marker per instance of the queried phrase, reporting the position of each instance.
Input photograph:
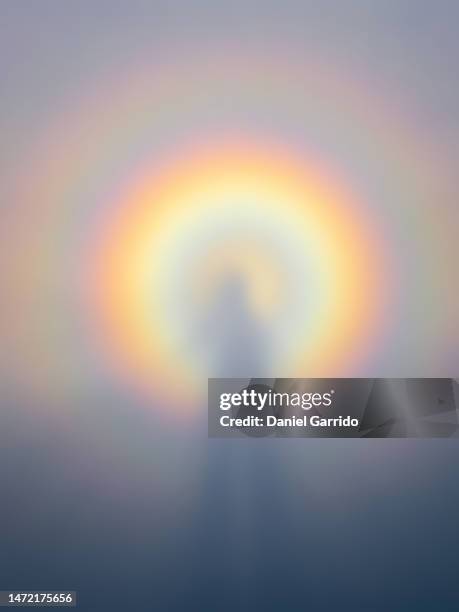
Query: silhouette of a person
(233, 335)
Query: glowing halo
(146, 123)
(310, 259)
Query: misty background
(124, 498)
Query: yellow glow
(236, 208)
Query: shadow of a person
(233, 334)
